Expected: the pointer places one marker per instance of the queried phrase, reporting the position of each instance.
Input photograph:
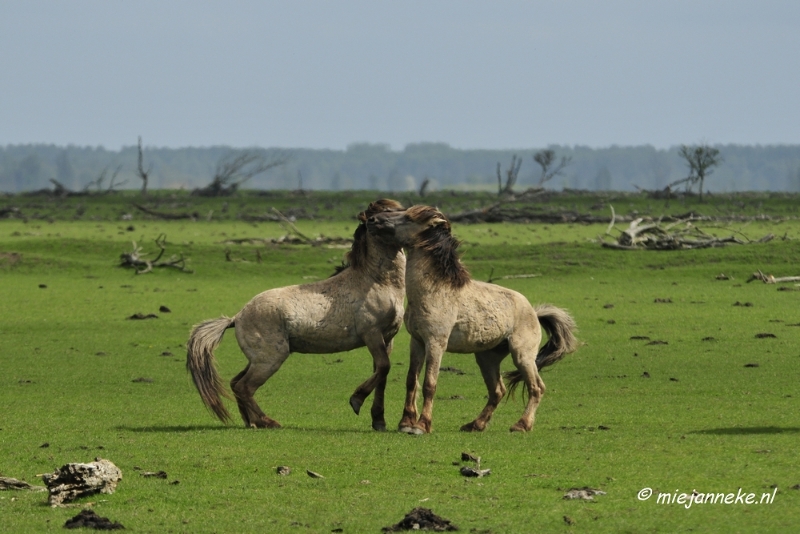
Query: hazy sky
(490, 74)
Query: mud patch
(89, 519)
(141, 316)
(422, 519)
(10, 258)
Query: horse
(449, 311)
(359, 305)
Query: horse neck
(384, 263)
(423, 282)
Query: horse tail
(560, 328)
(200, 362)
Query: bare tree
(423, 189)
(701, 160)
(234, 169)
(511, 177)
(545, 159)
(98, 182)
(140, 172)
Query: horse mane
(357, 254)
(438, 243)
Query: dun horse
(360, 305)
(448, 311)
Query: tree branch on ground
(168, 216)
(135, 258)
(236, 168)
(679, 235)
(770, 279)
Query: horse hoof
(380, 427)
(410, 430)
(471, 427)
(355, 404)
(518, 428)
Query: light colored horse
(360, 305)
(449, 311)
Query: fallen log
(682, 234)
(76, 480)
(135, 258)
(168, 216)
(770, 279)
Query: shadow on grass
(176, 429)
(748, 430)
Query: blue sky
(317, 74)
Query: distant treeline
(378, 167)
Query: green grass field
(620, 415)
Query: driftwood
(168, 216)
(8, 483)
(682, 234)
(135, 258)
(76, 480)
(770, 279)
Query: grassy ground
(619, 415)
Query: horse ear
(437, 221)
(362, 217)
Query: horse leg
(489, 363)
(525, 361)
(266, 357)
(433, 359)
(409, 419)
(380, 351)
(242, 409)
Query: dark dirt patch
(657, 342)
(422, 519)
(751, 365)
(154, 474)
(639, 338)
(765, 335)
(663, 301)
(89, 519)
(645, 375)
(140, 316)
(453, 370)
(785, 288)
(164, 309)
(42, 286)
(744, 304)
(709, 338)
(10, 258)
(143, 380)
(608, 306)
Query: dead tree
(701, 160)
(140, 172)
(423, 189)
(545, 159)
(98, 182)
(236, 168)
(511, 177)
